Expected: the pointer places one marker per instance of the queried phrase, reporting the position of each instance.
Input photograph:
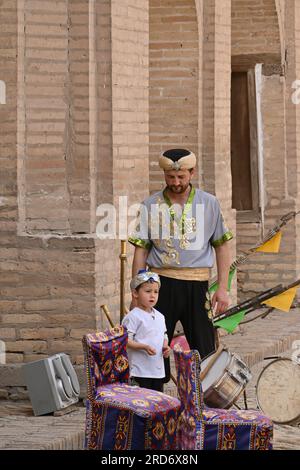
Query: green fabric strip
(213, 287)
(229, 324)
(227, 236)
(140, 242)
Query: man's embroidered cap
(177, 159)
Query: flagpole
(243, 258)
(252, 304)
(256, 300)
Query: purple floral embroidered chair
(200, 427)
(120, 416)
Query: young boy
(147, 338)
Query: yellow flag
(271, 246)
(282, 301)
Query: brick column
(215, 131)
(216, 99)
(9, 304)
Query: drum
(278, 391)
(225, 381)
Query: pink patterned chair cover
(120, 416)
(200, 427)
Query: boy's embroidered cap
(144, 276)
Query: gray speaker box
(52, 384)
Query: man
(187, 224)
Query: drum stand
(245, 402)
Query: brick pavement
(274, 335)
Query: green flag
(229, 324)
(212, 289)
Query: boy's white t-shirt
(147, 328)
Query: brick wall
(55, 103)
(174, 69)
(80, 133)
(102, 103)
(44, 110)
(255, 27)
(54, 274)
(51, 298)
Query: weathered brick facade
(96, 89)
(255, 27)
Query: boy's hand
(166, 351)
(151, 351)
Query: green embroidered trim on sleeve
(140, 242)
(227, 236)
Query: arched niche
(174, 80)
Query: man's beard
(178, 189)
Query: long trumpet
(107, 314)
(123, 261)
(123, 309)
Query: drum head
(278, 391)
(217, 371)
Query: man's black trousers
(185, 301)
